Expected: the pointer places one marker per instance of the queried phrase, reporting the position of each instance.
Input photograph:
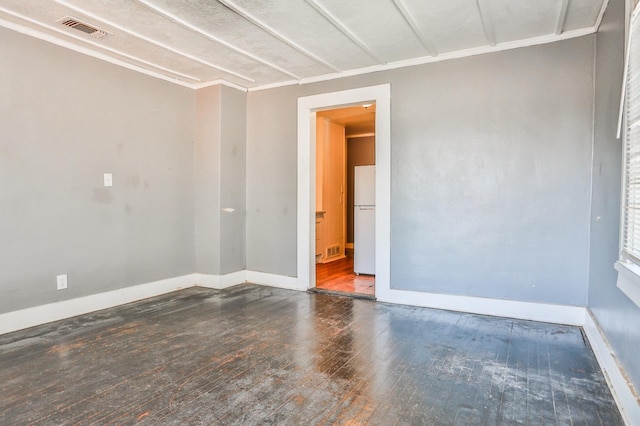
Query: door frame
(307, 107)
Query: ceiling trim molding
(266, 28)
(90, 52)
(343, 29)
(213, 38)
(564, 5)
(219, 82)
(408, 16)
(601, 15)
(487, 26)
(152, 41)
(431, 59)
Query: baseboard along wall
(544, 312)
(38, 315)
(30, 317)
(624, 393)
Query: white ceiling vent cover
(84, 27)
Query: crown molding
(219, 82)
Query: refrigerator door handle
(367, 207)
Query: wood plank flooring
(259, 355)
(339, 276)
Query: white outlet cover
(61, 282)
(108, 179)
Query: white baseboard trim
(38, 315)
(271, 280)
(30, 317)
(220, 281)
(559, 314)
(622, 389)
(206, 280)
(233, 278)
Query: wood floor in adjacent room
(259, 355)
(338, 276)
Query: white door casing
(307, 106)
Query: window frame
(628, 264)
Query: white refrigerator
(364, 220)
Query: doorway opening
(345, 200)
(308, 107)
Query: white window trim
(628, 270)
(629, 280)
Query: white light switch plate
(108, 179)
(61, 281)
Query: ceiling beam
(487, 26)
(408, 16)
(343, 28)
(154, 42)
(266, 28)
(214, 38)
(98, 45)
(564, 5)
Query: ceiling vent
(84, 27)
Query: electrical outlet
(61, 281)
(108, 179)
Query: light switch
(61, 281)
(108, 179)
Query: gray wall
(617, 315)
(207, 180)
(66, 119)
(233, 180)
(220, 181)
(491, 161)
(491, 171)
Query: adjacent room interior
(345, 200)
(319, 212)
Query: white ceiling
(265, 43)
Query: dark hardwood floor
(339, 276)
(260, 355)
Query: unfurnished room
(385, 212)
